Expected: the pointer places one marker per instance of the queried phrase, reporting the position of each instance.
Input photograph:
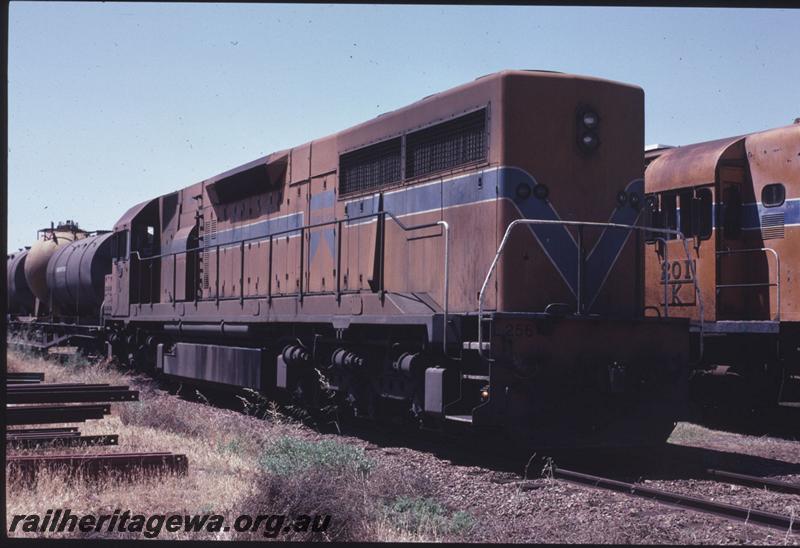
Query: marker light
(590, 119)
(622, 197)
(589, 140)
(633, 199)
(541, 191)
(523, 191)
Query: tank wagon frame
(56, 299)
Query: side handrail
(664, 273)
(301, 230)
(517, 222)
(777, 284)
(446, 281)
(290, 231)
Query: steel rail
(27, 467)
(58, 386)
(76, 395)
(61, 441)
(749, 515)
(43, 414)
(753, 481)
(41, 430)
(25, 375)
(43, 435)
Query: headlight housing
(588, 123)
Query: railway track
(29, 401)
(27, 467)
(768, 484)
(684, 462)
(749, 515)
(691, 462)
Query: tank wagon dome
(76, 274)
(49, 241)
(20, 297)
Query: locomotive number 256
(518, 330)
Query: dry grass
(245, 464)
(761, 446)
(228, 453)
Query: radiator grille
(446, 145)
(772, 226)
(370, 167)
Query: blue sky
(114, 103)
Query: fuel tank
(76, 275)
(20, 298)
(49, 241)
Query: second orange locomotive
(738, 199)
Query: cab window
(669, 213)
(687, 213)
(704, 210)
(121, 245)
(652, 218)
(773, 195)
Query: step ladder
(475, 345)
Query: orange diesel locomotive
(473, 259)
(738, 200)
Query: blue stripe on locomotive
(557, 242)
(752, 213)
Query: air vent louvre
(370, 167)
(772, 226)
(446, 145)
(208, 241)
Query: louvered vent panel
(209, 241)
(446, 145)
(772, 226)
(370, 167)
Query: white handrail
(516, 222)
(446, 280)
(777, 284)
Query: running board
(474, 345)
(463, 419)
(468, 377)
